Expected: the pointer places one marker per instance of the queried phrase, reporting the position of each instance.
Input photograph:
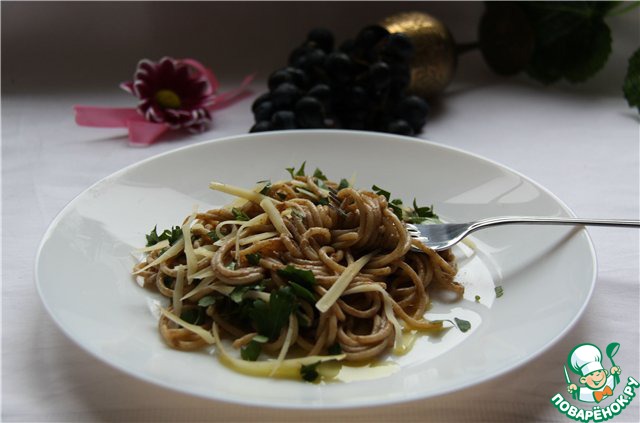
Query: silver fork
(440, 236)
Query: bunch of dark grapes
(360, 85)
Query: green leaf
(172, 235)
(631, 87)
(267, 186)
(335, 349)
(254, 258)
(238, 293)
(309, 372)
(269, 319)
(293, 172)
(302, 292)
(381, 191)
(477, 298)
(319, 175)
(193, 315)
(572, 40)
(499, 291)
(396, 206)
(239, 214)
(463, 325)
(251, 351)
(299, 276)
(213, 236)
(323, 201)
(206, 301)
(300, 171)
(343, 184)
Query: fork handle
(543, 220)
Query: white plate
(83, 270)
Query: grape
(322, 38)
(379, 75)
(400, 127)
(398, 47)
(362, 85)
(414, 110)
(309, 113)
(369, 36)
(338, 67)
(263, 111)
(283, 119)
(285, 95)
(321, 92)
(261, 126)
(262, 98)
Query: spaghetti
(304, 270)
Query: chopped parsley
(499, 291)
(213, 236)
(251, 351)
(267, 186)
(270, 318)
(335, 349)
(309, 372)
(343, 184)
(381, 191)
(293, 172)
(301, 282)
(206, 301)
(239, 214)
(477, 298)
(254, 258)
(319, 175)
(172, 235)
(463, 325)
(194, 315)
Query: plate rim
(313, 406)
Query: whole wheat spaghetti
(295, 273)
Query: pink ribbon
(143, 132)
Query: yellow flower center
(168, 99)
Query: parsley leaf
(193, 315)
(254, 258)
(299, 276)
(499, 291)
(239, 214)
(631, 87)
(213, 236)
(463, 325)
(343, 184)
(420, 214)
(251, 351)
(380, 191)
(267, 186)
(206, 301)
(319, 175)
(396, 206)
(270, 318)
(309, 372)
(302, 292)
(293, 172)
(477, 298)
(334, 349)
(172, 235)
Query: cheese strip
(338, 287)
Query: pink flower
(176, 92)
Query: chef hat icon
(585, 359)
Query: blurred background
(60, 46)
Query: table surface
(579, 141)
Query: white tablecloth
(581, 142)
